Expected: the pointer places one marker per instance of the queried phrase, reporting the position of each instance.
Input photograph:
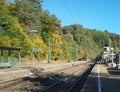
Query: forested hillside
(18, 18)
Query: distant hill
(72, 42)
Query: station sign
(36, 49)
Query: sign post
(33, 31)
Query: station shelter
(9, 52)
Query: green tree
(28, 13)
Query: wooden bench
(5, 65)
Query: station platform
(14, 73)
(103, 79)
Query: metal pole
(85, 49)
(19, 60)
(9, 56)
(119, 42)
(33, 31)
(70, 54)
(76, 54)
(112, 57)
(1, 59)
(119, 49)
(33, 49)
(49, 51)
(119, 57)
(110, 45)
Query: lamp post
(33, 31)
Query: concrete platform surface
(103, 79)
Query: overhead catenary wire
(69, 11)
(75, 8)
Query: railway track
(11, 82)
(37, 76)
(76, 87)
(69, 83)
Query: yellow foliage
(82, 53)
(4, 41)
(3, 5)
(38, 43)
(57, 41)
(15, 26)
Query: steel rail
(58, 82)
(14, 81)
(76, 87)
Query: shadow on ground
(113, 71)
(41, 81)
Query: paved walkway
(103, 79)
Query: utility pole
(86, 55)
(119, 42)
(112, 55)
(119, 49)
(49, 50)
(110, 45)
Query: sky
(93, 14)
